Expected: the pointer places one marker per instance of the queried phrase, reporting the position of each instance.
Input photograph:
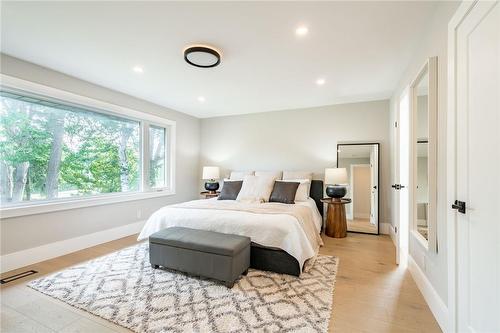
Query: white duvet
(282, 231)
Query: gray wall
(302, 139)
(434, 43)
(30, 231)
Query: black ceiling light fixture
(202, 56)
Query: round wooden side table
(208, 195)
(336, 223)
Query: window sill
(60, 205)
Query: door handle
(460, 206)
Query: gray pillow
(230, 190)
(284, 192)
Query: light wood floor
(371, 293)
(361, 225)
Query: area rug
(123, 288)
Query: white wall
(302, 139)
(25, 232)
(434, 43)
(362, 192)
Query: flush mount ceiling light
(202, 56)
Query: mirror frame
(378, 177)
(429, 67)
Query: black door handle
(460, 206)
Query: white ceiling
(360, 48)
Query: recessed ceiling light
(138, 69)
(201, 99)
(301, 31)
(320, 82)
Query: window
(54, 151)
(157, 167)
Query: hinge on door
(396, 229)
(395, 124)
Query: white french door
(474, 171)
(402, 175)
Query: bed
(281, 241)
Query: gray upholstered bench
(198, 252)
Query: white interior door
(374, 184)
(401, 175)
(477, 151)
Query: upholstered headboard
(317, 194)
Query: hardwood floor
(372, 294)
(361, 225)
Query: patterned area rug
(123, 288)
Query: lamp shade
(335, 176)
(210, 172)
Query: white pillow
(302, 193)
(255, 189)
(297, 175)
(239, 175)
(290, 175)
(276, 175)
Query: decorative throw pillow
(284, 192)
(230, 190)
(294, 175)
(256, 189)
(303, 189)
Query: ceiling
(360, 49)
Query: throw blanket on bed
(303, 214)
(291, 228)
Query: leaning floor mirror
(361, 161)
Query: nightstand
(208, 195)
(336, 223)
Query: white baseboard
(384, 228)
(33, 255)
(436, 304)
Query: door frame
(451, 153)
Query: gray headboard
(317, 194)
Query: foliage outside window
(50, 150)
(157, 167)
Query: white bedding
(281, 231)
